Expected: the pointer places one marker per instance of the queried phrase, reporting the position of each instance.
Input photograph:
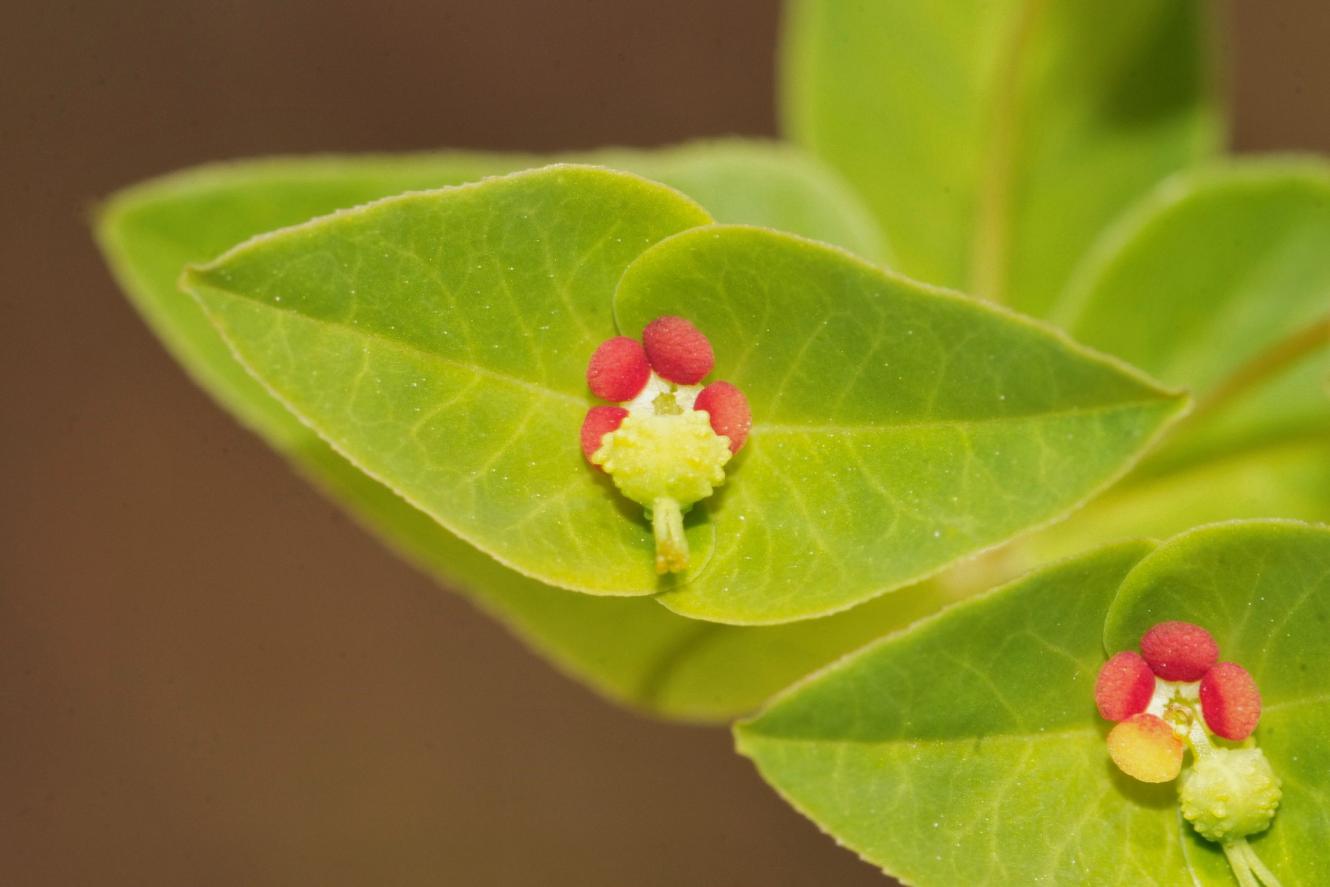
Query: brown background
(207, 674)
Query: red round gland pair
(1180, 651)
(680, 353)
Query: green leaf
(150, 232)
(1280, 478)
(1228, 264)
(896, 428)
(633, 650)
(755, 183)
(1217, 282)
(966, 749)
(439, 340)
(995, 140)
(1263, 590)
(630, 649)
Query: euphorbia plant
(698, 422)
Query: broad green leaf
(967, 749)
(995, 140)
(1263, 591)
(439, 340)
(897, 427)
(633, 650)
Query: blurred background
(208, 675)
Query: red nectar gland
(1124, 686)
(1179, 651)
(599, 422)
(618, 370)
(667, 446)
(1230, 702)
(728, 410)
(677, 350)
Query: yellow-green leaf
(995, 139)
(897, 427)
(630, 649)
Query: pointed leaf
(967, 749)
(995, 140)
(896, 428)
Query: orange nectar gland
(1227, 793)
(666, 447)
(1145, 747)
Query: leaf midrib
(946, 741)
(762, 428)
(990, 247)
(754, 731)
(782, 428)
(941, 741)
(399, 345)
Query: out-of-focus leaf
(995, 139)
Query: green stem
(1277, 357)
(1237, 860)
(1201, 746)
(992, 230)
(1267, 877)
(671, 543)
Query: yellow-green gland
(1230, 793)
(665, 463)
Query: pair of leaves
(632, 649)
(438, 341)
(995, 140)
(721, 278)
(967, 749)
